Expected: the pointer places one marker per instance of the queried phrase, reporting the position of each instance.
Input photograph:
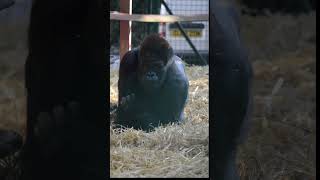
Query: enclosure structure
(183, 23)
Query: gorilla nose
(152, 76)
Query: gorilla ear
(170, 53)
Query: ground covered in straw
(282, 137)
(170, 151)
(281, 143)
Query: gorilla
(66, 85)
(231, 74)
(152, 86)
(6, 3)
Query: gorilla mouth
(151, 85)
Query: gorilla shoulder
(177, 74)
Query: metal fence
(197, 31)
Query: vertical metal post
(125, 28)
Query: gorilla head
(155, 57)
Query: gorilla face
(155, 57)
(152, 71)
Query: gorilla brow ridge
(149, 45)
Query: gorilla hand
(147, 121)
(127, 101)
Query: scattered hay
(282, 138)
(169, 151)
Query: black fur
(144, 102)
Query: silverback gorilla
(153, 86)
(66, 91)
(231, 75)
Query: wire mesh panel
(197, 31)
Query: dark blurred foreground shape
(66, 84)
(5, 4)
(10, 142)
(280, 6)
(231, 75)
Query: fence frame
(125, 17)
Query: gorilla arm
(127, 88)
(127, 83)
(176, 91)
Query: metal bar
(184, 34)
(125, 28)
(114, 15)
